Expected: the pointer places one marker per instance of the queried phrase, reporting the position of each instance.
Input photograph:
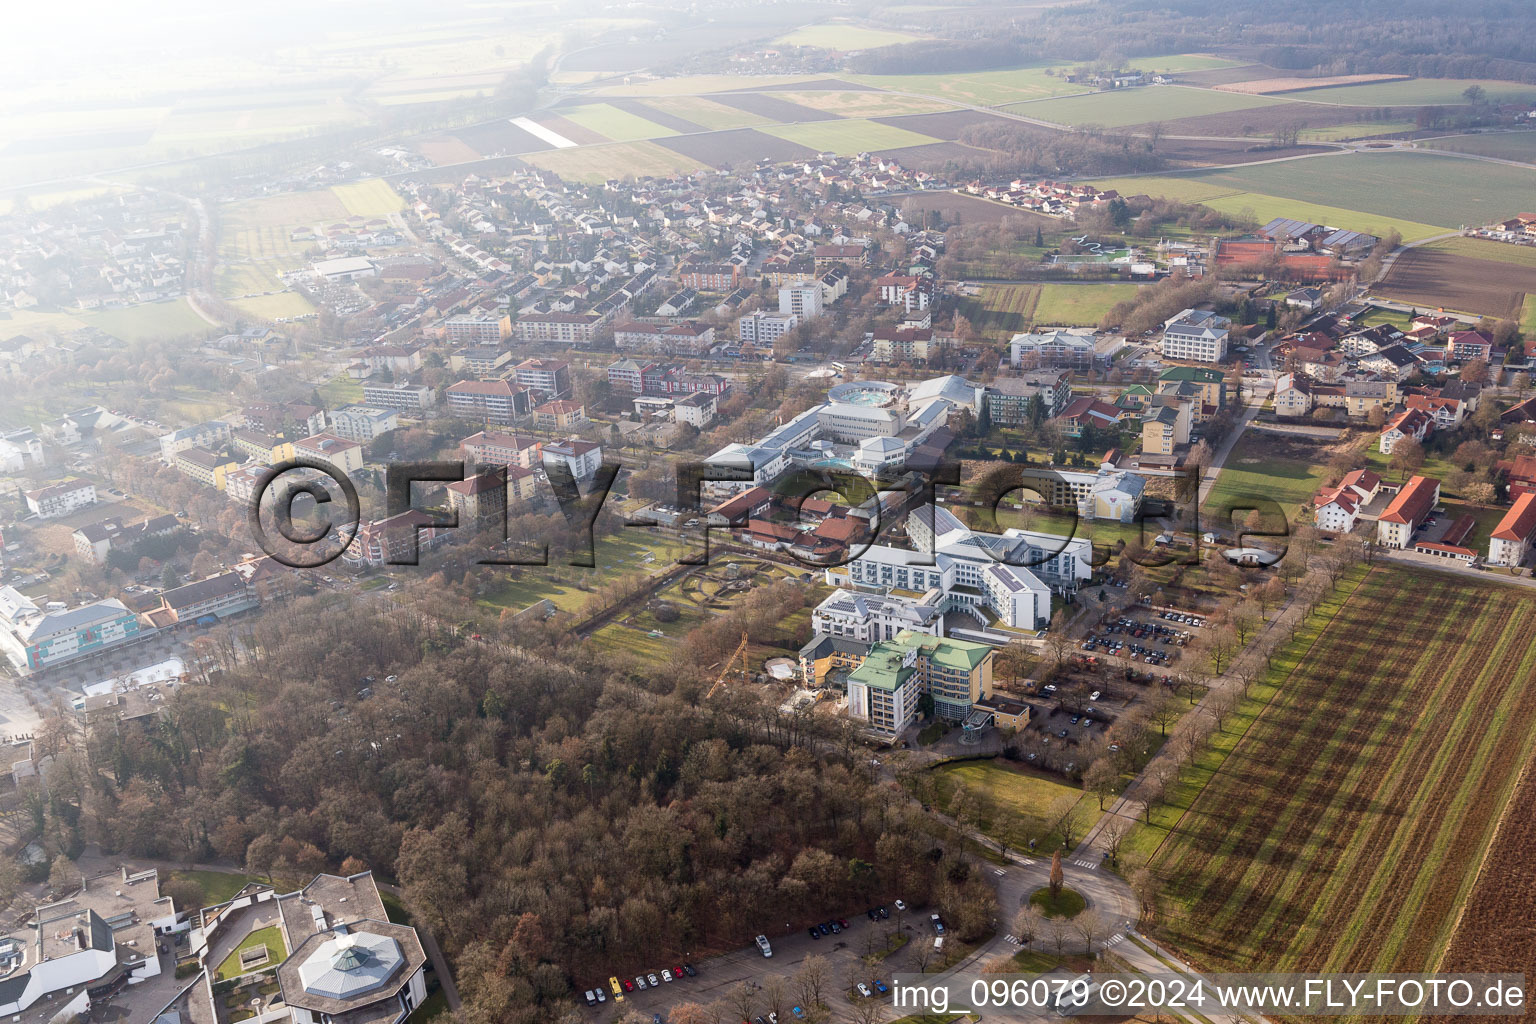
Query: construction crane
(739, 652)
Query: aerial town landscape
(686, 513)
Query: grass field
(273, 307)
(982, 88)
(618, 125)
(847, 137)
(1002, 308)
(150, 320)
(1355, 130)
(865, 103)
(1485, 249)
(218, 886)
(1181, 62)
(698, 85)
(370, 198)
(1120, 107)
(596, 164)
(1386, 755)
(271, 937)
(1519, 146)
(342, 390)
(1412, 92)
(705, 112)
(1015, 806)
(1079, 305)
(1528, 317)
(563, 585)
(838, 36)
(1264, 467)
(1230, 198)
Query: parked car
(690, 970)
(900, 905)
(864, 990)
(653, 979)
(666, 975)
(880, 987)
(640, 982)
(589, 997)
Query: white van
(762, 944)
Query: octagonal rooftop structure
(349, 965)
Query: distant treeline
(1018, 148)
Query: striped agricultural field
(1345, 829)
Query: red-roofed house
(1338, 508)
(1088, 411)
(1413, 424)
(1510, 541)
(1407, 512)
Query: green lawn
(982, 88)
(705, 112)
(1079, 304)
(597, 164)
(1182, 62)
(1412, 92)
(1064, 903)
(342, 390)
(150, 320)
(271, 937)
(842, 36)
(1528, 317)
(848, 136)
(618, 125)
(217, 886)
(563, 584)
(1018, 804)
(274, 307)
(1120, 107)
(1503, 145)
(1486, 249)
(1239, 199)
(370, 198)
(1255, 470)
(1355, 130)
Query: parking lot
(1154, 639)
(720, 978)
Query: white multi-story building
(1197, 336)
(582, 458)
(1510, 542)
(801, 300)
(869, 618)
(212, 434)
(61, 499)
(363, 423)
(764, 328)
(1010, 575)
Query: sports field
(150, 320)
(1120, 107)
(596, 164)
(1079, 305)
(613, 123)
(982, 88)
(847, 137)
(1388, 752)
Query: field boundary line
(1174, 825)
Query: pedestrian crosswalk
(1013, 939)
(998, 872)
(1086, 863)
(1116, 939)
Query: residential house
(206, 467)
(561, 415)
(491, 401)
(1196, 335)
(479, 500)
(1089, 412)
(1410, 423)
(549, 377)
(1510, 542)
(61, 499)
(1407, 512)
(345, 455)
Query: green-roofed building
(884, 689)
(1212, 384)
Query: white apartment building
(1196, 335)
(61, 499)
(212, 434)
(870, 618)
(764, 328)
(363, 423)
(801, 300)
